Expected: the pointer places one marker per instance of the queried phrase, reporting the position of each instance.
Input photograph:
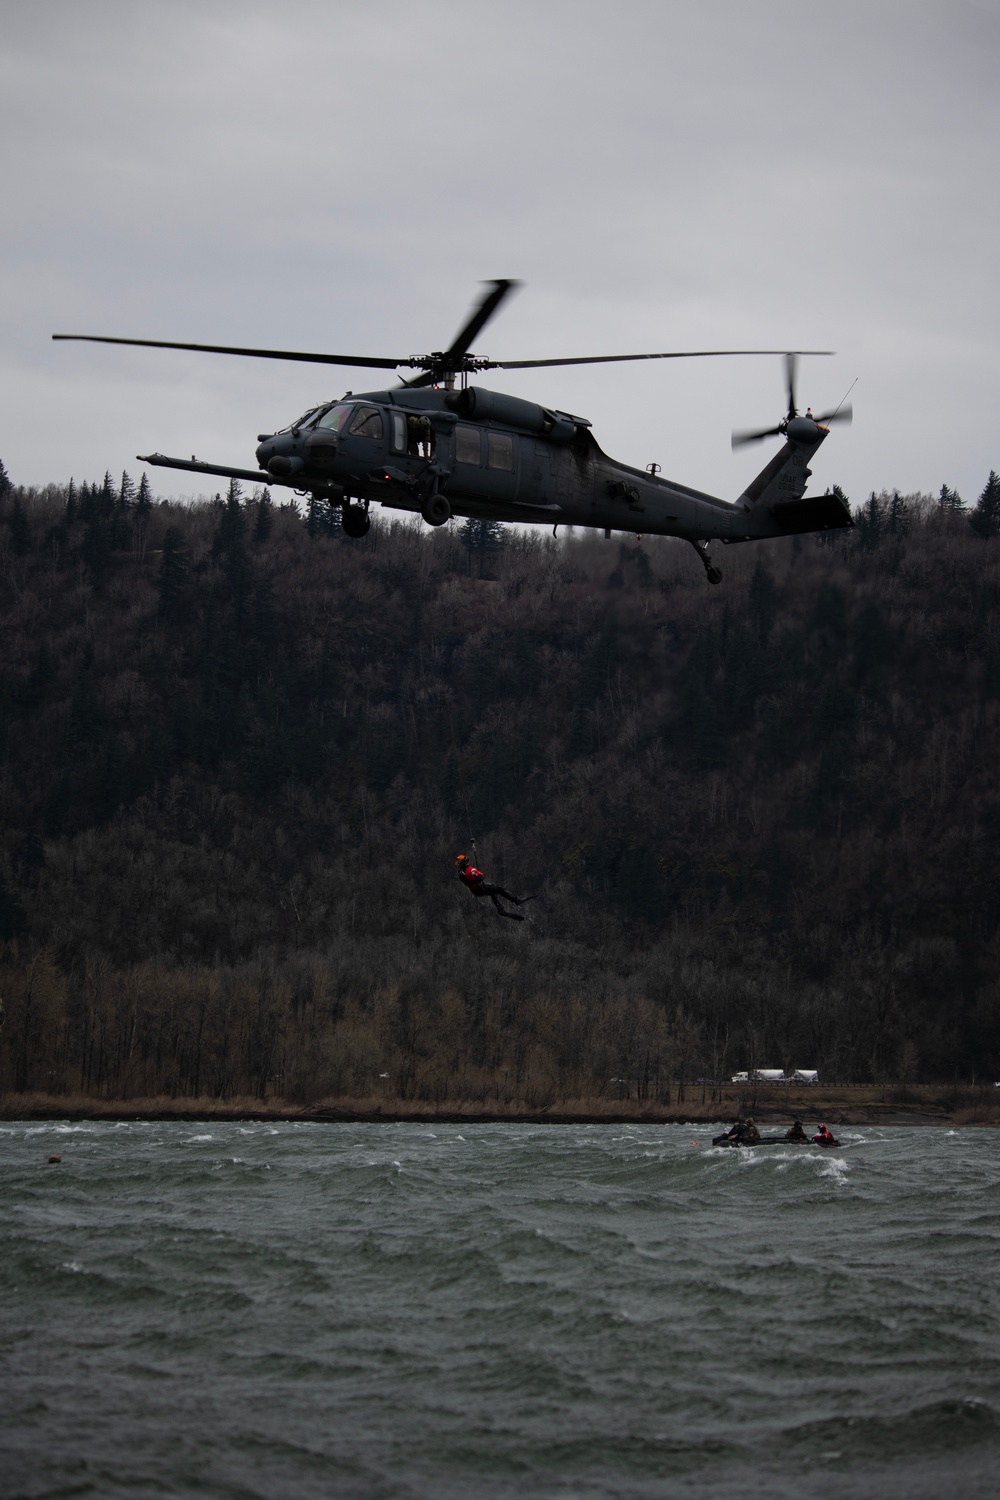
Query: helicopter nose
(282, 467)
(321, 448)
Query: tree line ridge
(241, 751)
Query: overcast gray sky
(339, 177)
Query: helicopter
(438, 446)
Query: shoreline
(916, 1107)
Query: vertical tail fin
(775, 502)
(786, 476)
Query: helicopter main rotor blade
(462, 341)
(604, 359)
(453, 358)
(310, 359)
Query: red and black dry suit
(475, 881)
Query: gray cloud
(338, 177)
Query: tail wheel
(355, 521)
(436, 510)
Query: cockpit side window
(335, 418)
(367, 423)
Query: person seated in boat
(824, 1138)
(743, 1133)
(795, 1132)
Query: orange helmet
(460, 859)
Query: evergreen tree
(265, 517)
(107, 497)
(122, 516)
(95, 548)
(71, 506)
(20, 528)
(322, 519)
(897, 520)
(870, 522)
(143, 500)
(29, 856)
(230, 531)
(5, 485)
(12, 918)
(483, 540)
(173, 574)
(88, 502)
(763, 602)
(985, 519)
(950, 500)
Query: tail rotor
(843, 413)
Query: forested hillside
(240, 753)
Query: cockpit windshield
(333, 419)
(301, 421)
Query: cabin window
(468, 449)
(398, 432)
(335, 418)
(367, 423)
(500, 446)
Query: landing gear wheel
(714, 575)
(436, 510)
(355, 521)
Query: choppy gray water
(303, 1310)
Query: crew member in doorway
(475, 881)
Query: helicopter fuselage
(440, 447)
(482, 454)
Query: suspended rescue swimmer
(440, 447)
(475, 881)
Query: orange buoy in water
(53, 1159)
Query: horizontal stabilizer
(812, 513)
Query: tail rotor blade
(741, 439)
(842, 414)
(791, 374)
